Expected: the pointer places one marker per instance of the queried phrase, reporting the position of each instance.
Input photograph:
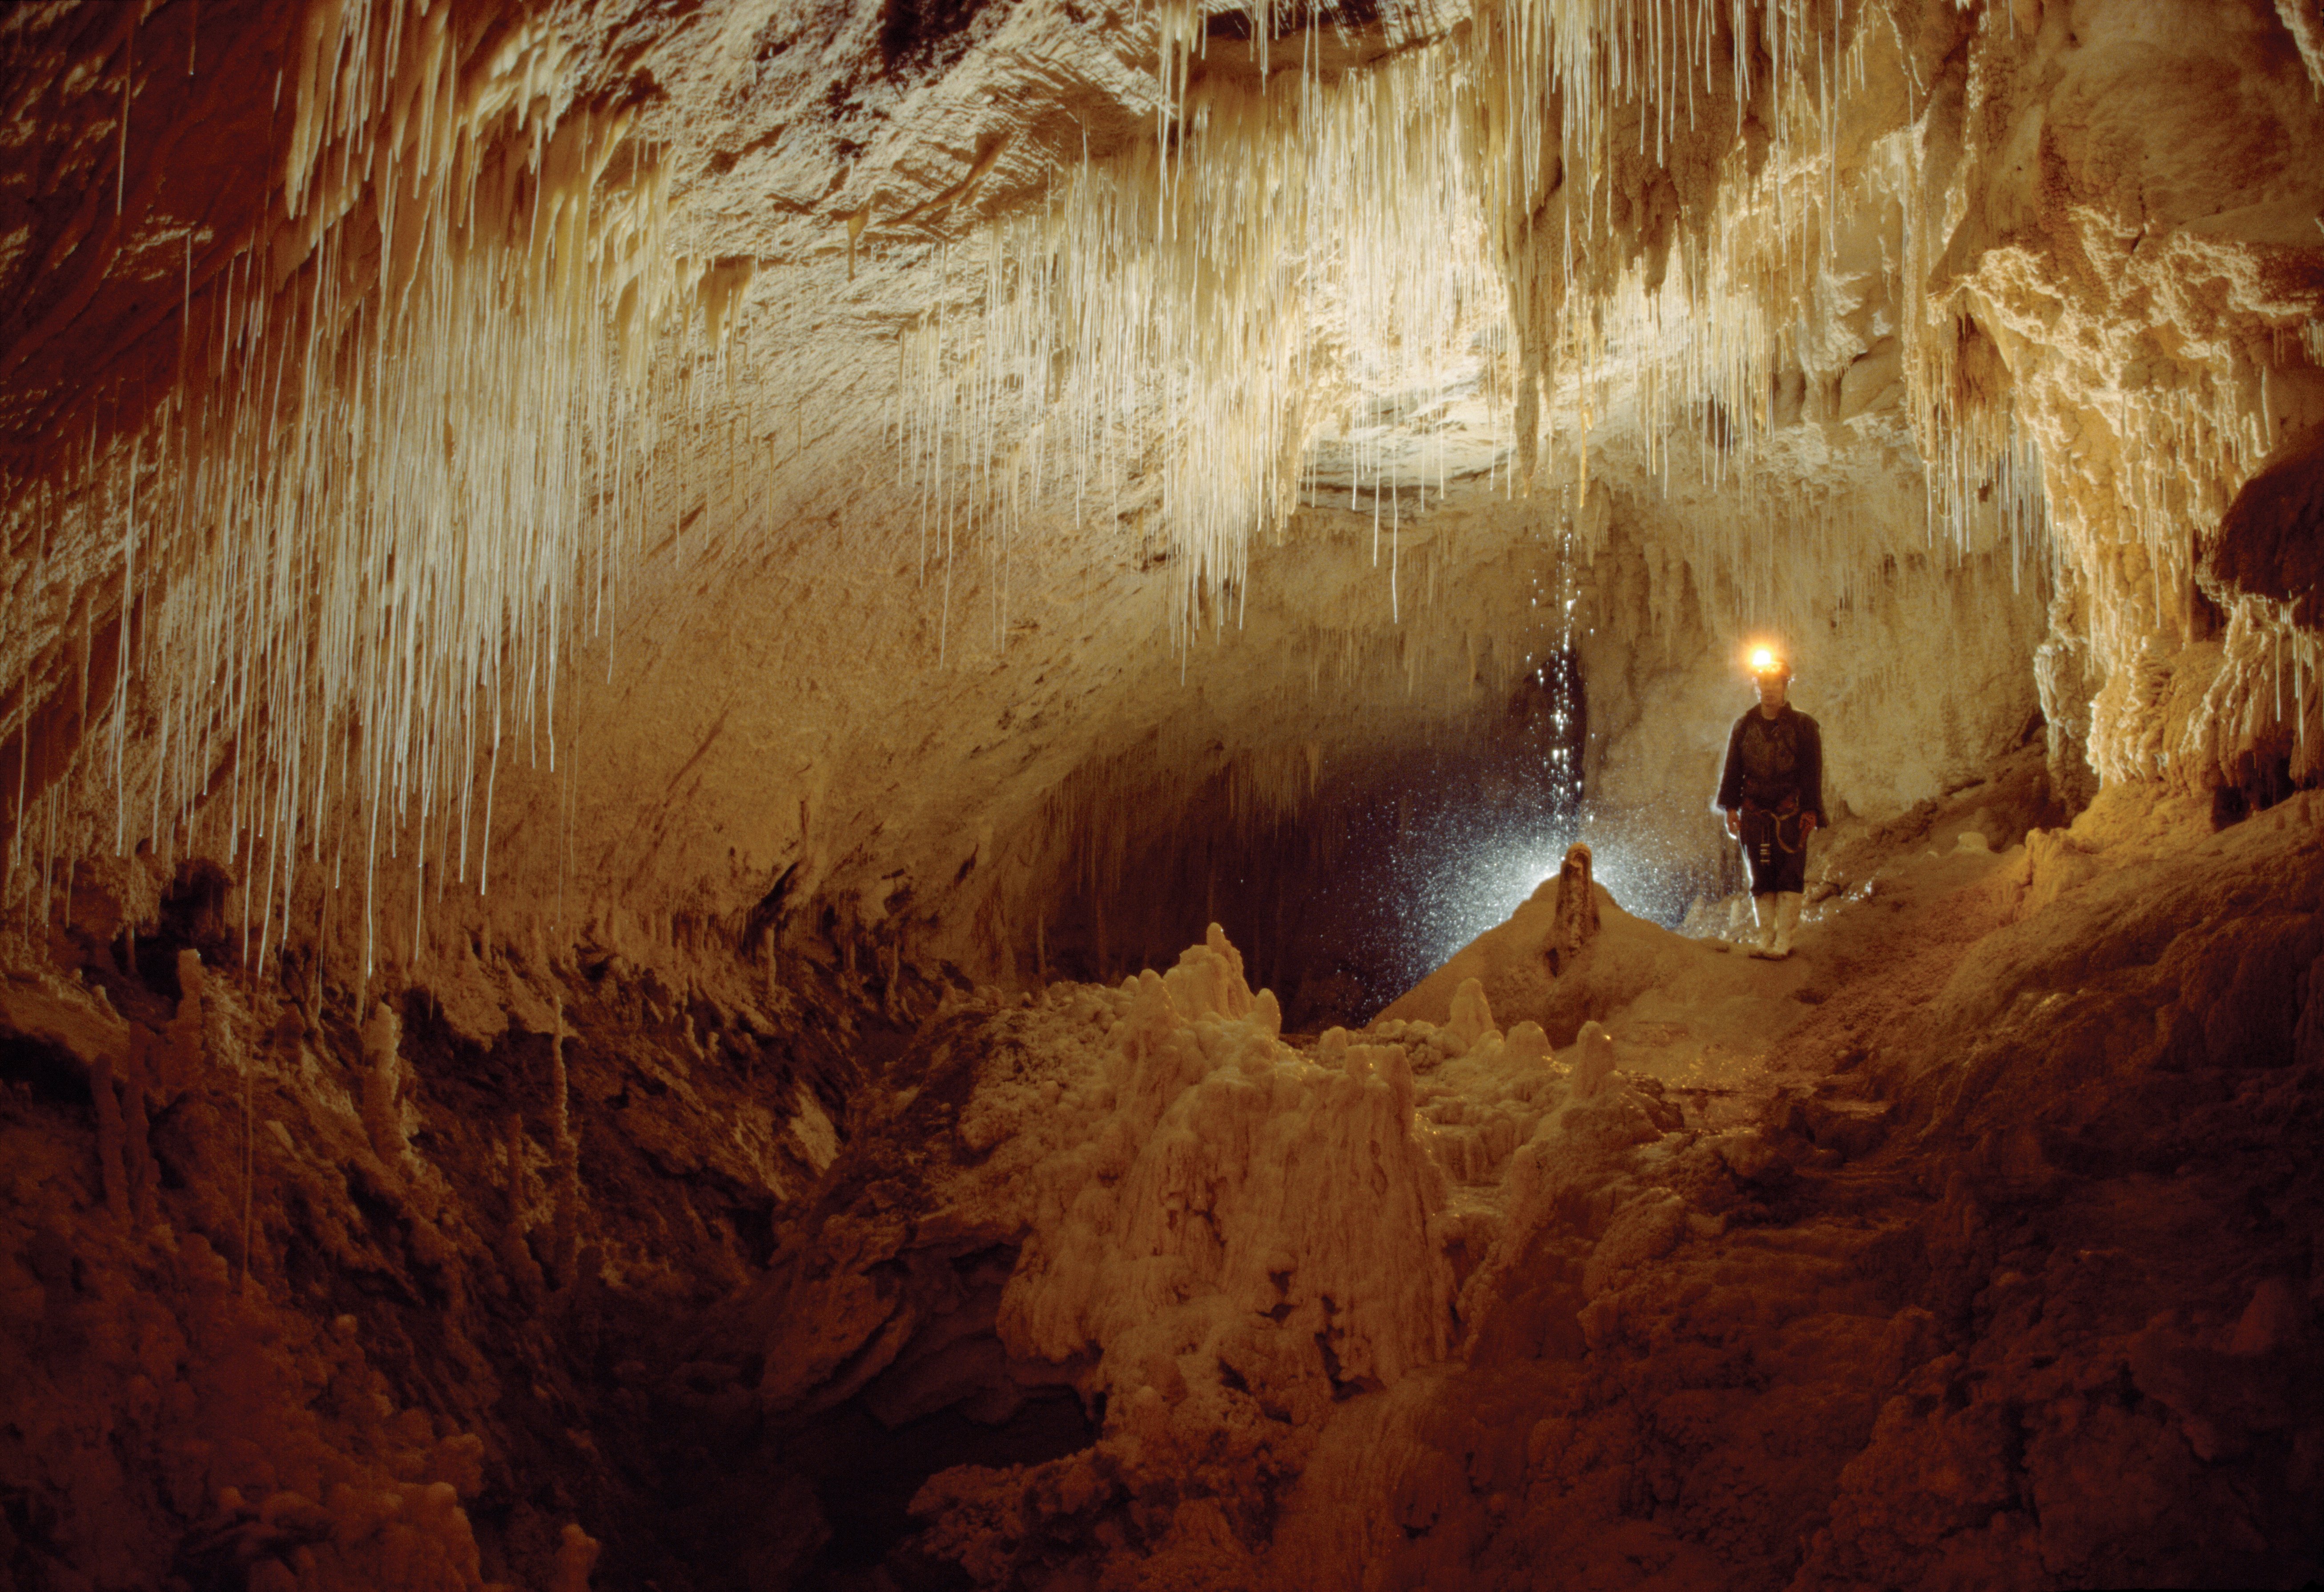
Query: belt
(1775, 817)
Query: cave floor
(2008, 1239)
(1860, 962)
(1973, 1244)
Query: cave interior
(922, 794)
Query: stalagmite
(181, 1052)
(136, 1129)
(1576, 909)
(382, 1089)
(515, 1252)
(1596, 1063)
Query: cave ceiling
(652, 466)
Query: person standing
(1772, 794)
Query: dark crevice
(866, 1474)
(47, 1073)
(926, 35)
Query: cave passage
(1393, 864)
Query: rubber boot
(1764, 910)
(1787, 918)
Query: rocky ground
(1974, 1244)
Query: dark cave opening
(865, 1476)
(951, 1395)
(1395, 863)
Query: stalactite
(414, 444)
(351, 541)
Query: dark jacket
(1770, 761)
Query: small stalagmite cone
(1593, 1061)
(1472, 1013)
(1527, 1045)
(1574, 921)
(179, 1060)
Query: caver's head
(1772, 675)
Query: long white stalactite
(1189, 316)
(369, 518)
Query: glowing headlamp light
(1763, 662)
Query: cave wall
(2143, 277)
(2036, 355)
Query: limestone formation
(1595, 1063)
(1576, 908)
(383, 1087)
(847, 794)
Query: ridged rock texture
(792, 793)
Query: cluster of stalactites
(1704, 350)
(1156, 348)
(1152, 348)
(409, 444)
(1786, 296)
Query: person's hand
(1734, 823)
(1807, 825)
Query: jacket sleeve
(1812, 770)
(1730, 778)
